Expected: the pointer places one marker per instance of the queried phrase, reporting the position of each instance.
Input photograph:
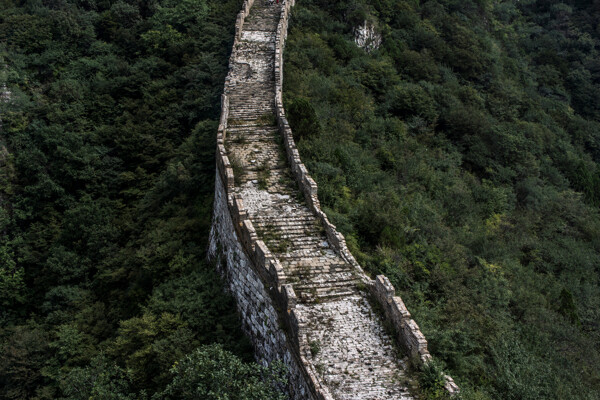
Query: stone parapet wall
(409, 334)
(263, 307)
(268, 269)
(307, 185)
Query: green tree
(212, 373)
(102, 379)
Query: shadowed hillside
(460, 159)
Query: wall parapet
(409, 334)
(271, 273)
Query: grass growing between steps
(264, 173)
(235, 121)
(267, 119)
(238, 169)
(273, 238)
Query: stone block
(240, 214)
(384, 286)
(229, 179)
(399, 310)
(261, 254)
(289, 296)
(451, 387)
(248, 235)
(425, 358)
(276, 272)
(302, 171)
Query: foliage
(432, 381)
(106, 186)
(101, 379)
(212, 373)
(461, 160)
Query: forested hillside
(107, 173)
(462, 160)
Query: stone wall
(255, 277)
(264, 306)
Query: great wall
(302, 296)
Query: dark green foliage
(106, 186)
(23, 358)
(101, 379)
(302, 118)
(432, 380)
(461, 160)
(211, 373)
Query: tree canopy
(107, 171)
(461, 160)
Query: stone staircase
(350, 349)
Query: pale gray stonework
(303, 298)
(366, 37)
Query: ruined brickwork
(302, 296)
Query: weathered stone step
(302, 236)
(321, 295)
(275, 221)
(325, 269)
(314, 276)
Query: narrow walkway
(350, 349)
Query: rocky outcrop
(303, 297)
(367, 37)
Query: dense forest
(462, 159)
(109, 116)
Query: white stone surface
(355, 356)
(366, 37)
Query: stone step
(325, 287)
(301, 235)
(321, 295)
(300, 217)
(326, 267)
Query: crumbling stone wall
(267, 303)
(253, 275)
(266, 306)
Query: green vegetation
(315, 347)
(431, 378)
(267, 119)
(462, 160)
(263, 175)
(223, 376)
(237, 168)
(106, 194)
